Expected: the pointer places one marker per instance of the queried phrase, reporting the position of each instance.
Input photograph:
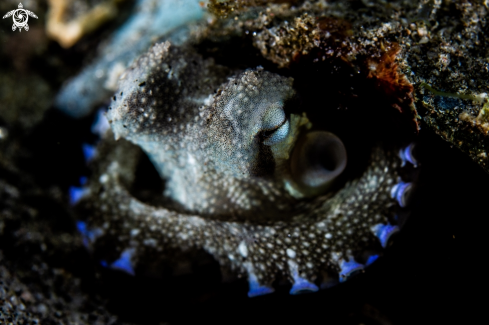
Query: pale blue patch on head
(279, 135)
(273, 116)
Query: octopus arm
(321, 241)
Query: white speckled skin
(233, 191)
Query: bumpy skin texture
(181, 140)
(227, 192)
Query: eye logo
(20, 16)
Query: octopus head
(248, 126)
(235, 146)
(253, 134)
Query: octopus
(256, 168)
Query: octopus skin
(258, 188)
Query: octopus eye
(275, 126)
(275, 136)
(318, 159)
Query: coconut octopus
(248, 177)
(299, 174)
